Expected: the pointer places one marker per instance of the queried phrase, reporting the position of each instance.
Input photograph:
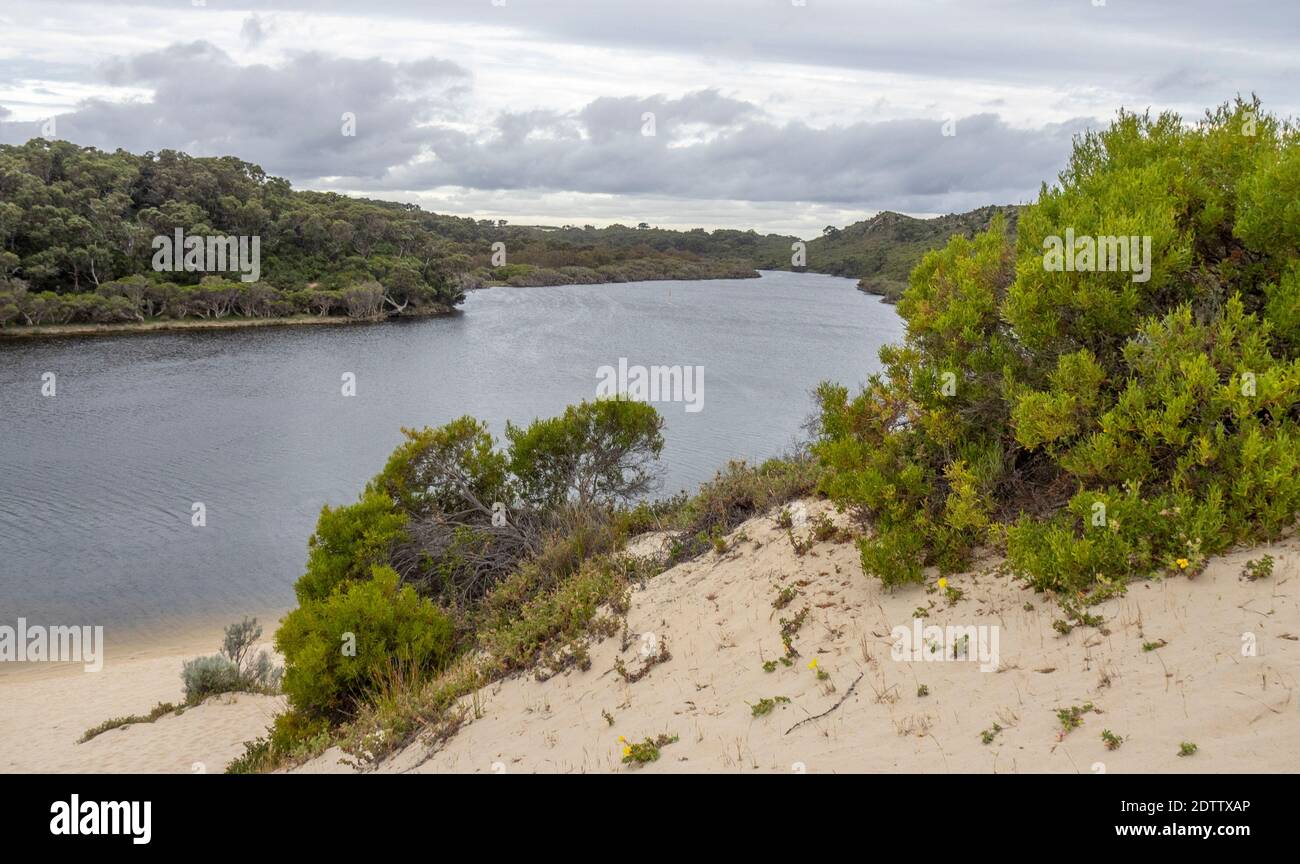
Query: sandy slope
(43, 711)
(717, 618)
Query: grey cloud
(288, 118)
(1244, 46)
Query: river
(100, 480)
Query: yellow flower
(943, 584)
(622, 740)
(1182, 563)
(813, 664)
(627, 751)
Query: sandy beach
(49, 706)
(1166, 667)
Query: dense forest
(77, 229)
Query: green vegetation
(646, 751)
(1072, 718)
(1258, 568)
(462, 562)
(235, 669)
(1111, 740)
(77, 228)
(881, 251)
(1187, 748)
(162, 709)
(766, 705)
(1096, 426)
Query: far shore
(38, 331)
(56, 330)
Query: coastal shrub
(599, 452)
(235, 669)
(208, 676)
(739, 492)
(336, 646)
(1102, 422)
(347, 542)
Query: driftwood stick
(847, 694)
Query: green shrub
(1105, 424)
(740, 492)
(347, 542)
(208, 676)
(336, 647)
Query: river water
(98, 482)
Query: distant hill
(881, 251)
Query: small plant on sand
(764, 706)
(609, 718)
(922, 691)
(1152, 646)
(785, 519)
(1258, 568)
(789, 627)
(645, 751)
(651, 661)
(1187, 748)
(988, 735)
(1072, 718)
(952, 592)
(1111, 740)
(785, 597)
(821, 673)
(769, 665)
(159, 710)
(235, 668)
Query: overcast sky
(779, 115)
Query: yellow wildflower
(1182, 563)
(813, 664)
(943, 584)
(627, 751)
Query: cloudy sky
(780, 115)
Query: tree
(598, 452)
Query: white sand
(717, 618)
(47, 707)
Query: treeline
(77, 227)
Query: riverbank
(48, 706)
(1166, 667)
(527, 278)
(156, 326)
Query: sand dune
(46, 710)
(716, 617)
